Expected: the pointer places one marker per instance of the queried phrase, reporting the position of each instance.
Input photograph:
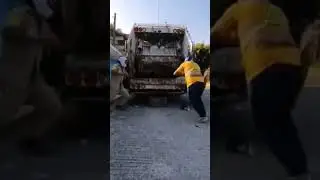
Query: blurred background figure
(119, 95)
(272, 64)
(24, 35)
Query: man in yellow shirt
(271, 60)
(195, 84)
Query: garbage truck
(154, 52)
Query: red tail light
(139, 29)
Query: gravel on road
(159, 143)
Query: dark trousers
(273, 96)
(195, 92)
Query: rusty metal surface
(227, 60)
(157, 84)
(156, 66)
(160, 59)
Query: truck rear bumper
(157, 86)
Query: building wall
(120, 43)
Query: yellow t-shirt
(189, 69)
(245, 17)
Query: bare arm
(207, 76)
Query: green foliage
(118, 30)
(201, 54)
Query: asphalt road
(82, 156)
(162, 143)
(159, 143)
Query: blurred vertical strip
(5, 6)
(4, 9)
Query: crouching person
(119, 96)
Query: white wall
(119, 47)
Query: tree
(201, 54)
(118, 30)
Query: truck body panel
(157, 85)
(154, 52)
(85, 77)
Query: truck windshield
(159, 44)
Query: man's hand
(116, 70)
(176, 73)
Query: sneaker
(203, 120)
(300, 177)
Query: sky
(195, 14)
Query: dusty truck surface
(154, 52)
(82, 64)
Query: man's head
(42, 7)
(188, 58)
